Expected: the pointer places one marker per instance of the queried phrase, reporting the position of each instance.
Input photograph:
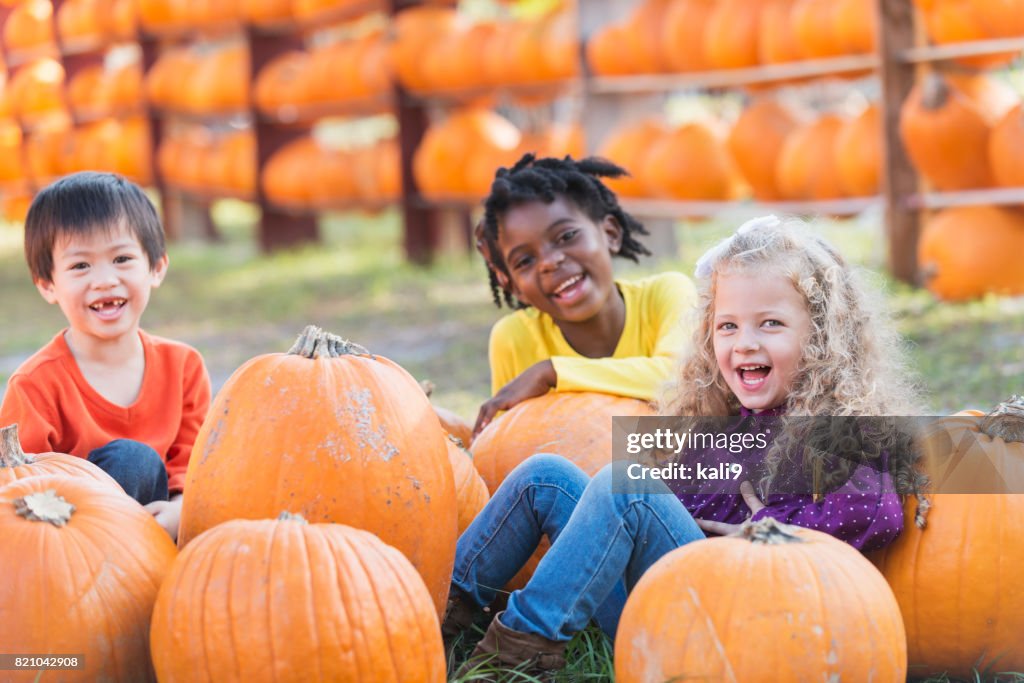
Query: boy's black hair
(81, 203)
(545, 179)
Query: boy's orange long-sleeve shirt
(58, 410)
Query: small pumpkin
(731, 32)
(682, 34)
(794, 602)
(756, 140)
(336, 434)
(470, 489)
(283, 599)
(957, 578)
(944, 122)
(81, 573)
(690, 162)
(859, 153)
(16, 464)
(1006, 149)
(806, 167)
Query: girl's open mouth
(569, 290)
(753, 376)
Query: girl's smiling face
(760, 326)
(558, 259)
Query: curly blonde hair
(853, 361)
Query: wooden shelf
(16, 58)
(667, 208)
(309, 113)
(769, 73)
(208, 194)
(313, 208)
(1003, 196)
(536, 90)
(979, 48)
(203, 118)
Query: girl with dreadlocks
(549, 232)
(786, 332)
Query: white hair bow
(705, 263)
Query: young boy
(103, 389)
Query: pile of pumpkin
(30, 25)
(458, 155)
(959, 21)
(436, 50)
(348, 583)
(771, 151)
(661, 36)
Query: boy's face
(101, 281)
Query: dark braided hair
(545, 179)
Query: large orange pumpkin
(16, 464)
(957, 579)
(958, 21)
(966, 252)
(815, 606)
(333, 433)
(756, 140)
(1006, 149)
(286, 600)
(575, 425)
(813, 29)
(1000, 18)
(944, 124)
(858, 153)
(84, 579)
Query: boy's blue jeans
(135, 466)
(601, 543)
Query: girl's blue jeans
(601, 544)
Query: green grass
(233, 303)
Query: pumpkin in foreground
(81, 567)
(575, 425)
(335, 434)
(958, 579)
(16, 464)
(780, 603)
(283, 600)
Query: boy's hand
(167, 513)
(536, 380)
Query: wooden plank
(899, 179)
(976, 48)
(768, 73)
(1003, 196)
(666, 208)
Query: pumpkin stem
(11, 454)
(45, 506)
(934, 91)
(315, 343)
(1006, 421)
(769, 532)
(427, 386)
(291, 517)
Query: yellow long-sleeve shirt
(657, 330)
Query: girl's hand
(724, 529)
(536, 380)
(167, 513)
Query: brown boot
(460, 615)
(503, 648)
